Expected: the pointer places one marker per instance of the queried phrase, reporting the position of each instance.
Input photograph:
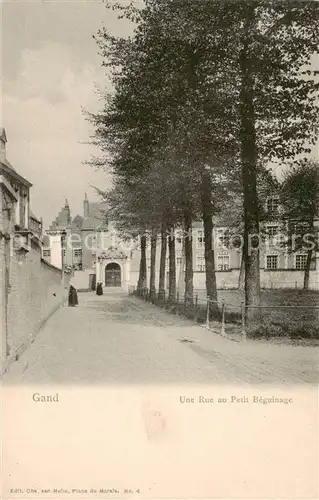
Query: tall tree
(300, 201)
(219, 79)
(153, 264)
(142, 278)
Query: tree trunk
(142, 280)
(188, 245)
(153, 264)
(307, 270)
(181, 277)
(172, 266)
(207, 210)
(161, 284)
(309, 254)
(241, 279)
(249, 173)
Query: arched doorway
(113, 274)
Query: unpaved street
(119, 339)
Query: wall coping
(43, 261)
(289, 270)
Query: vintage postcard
(159, 252)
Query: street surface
(117, 338)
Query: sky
(50, 70)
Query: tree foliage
(213, 88)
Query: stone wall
(35, 291)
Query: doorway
(113, 275)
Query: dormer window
(17, 207)
(272, 231)
(221, 238)
(273, 206)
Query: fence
(238, 321)
(226, 318)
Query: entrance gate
(113, 275)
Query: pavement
(116, 338)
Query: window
(272, 262)
(221, 238)
(273, 235)
(47, 253)
(223, 262)
(26, 211)
(178, 237)
(301, 261)
(178, 260)
(272, 206)
(272, 231)
(200, 263)
(17, 206)
(200, 239)
(78, 252)
(299, 228)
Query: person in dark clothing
(73, 297)
(99, 289)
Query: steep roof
(33, 216)
(7, 168)
(3, 136)
(96, 218)
(77, 222)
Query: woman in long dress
(99, 288)
(73, 297)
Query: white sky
(50, 66)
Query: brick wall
(35, 292)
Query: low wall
(35, 292)
(288, 279)
(285, 278)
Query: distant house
(16, 191)
(17, 216)
(71, 242)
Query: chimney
(3, 140)
(86, 206)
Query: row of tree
(205, 94)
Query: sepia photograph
(159, 248)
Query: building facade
(98, 253)
(30, 288)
